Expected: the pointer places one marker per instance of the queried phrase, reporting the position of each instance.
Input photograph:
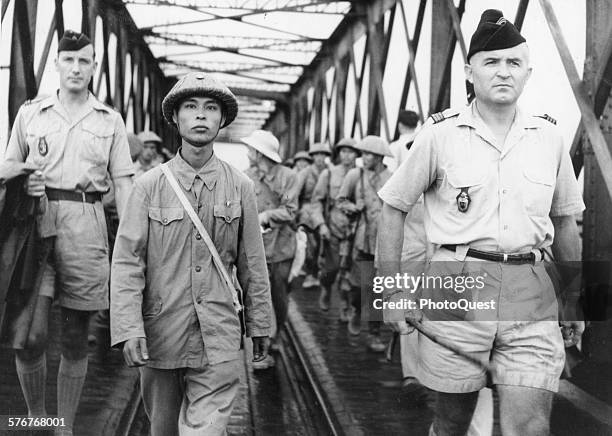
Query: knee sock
(70, 379)
(32, 377)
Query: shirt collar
(469, 117)
(186, 174)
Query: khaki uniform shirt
(325, 210)
(277, 197)
(360, 187)
(399, 150)
(164, 285)
(75, 155)
(514, 188)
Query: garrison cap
(494, 32)
(72, 41)
(205, 85)
(302, 155)
(375, 145)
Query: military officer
(277, 203)
(171, 309)
(80, 148)
(499, 187)
(331, 223)
(358, 199)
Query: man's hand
(35, 184)
(406, 326)
(135, 352)
(324, 232)
(571, 331)
(260, 348)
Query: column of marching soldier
(203, 253)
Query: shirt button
(505, 191)
(198, 236)
(199, 300)
(198, 269)
(165, 221)
(505, 226)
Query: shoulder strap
(205, 237)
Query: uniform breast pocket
(164, 225)
(465, 185)
(97, 137)
(227, 221)
(42, 142)
(539, 186)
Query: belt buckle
(83, 197)
(505, 260)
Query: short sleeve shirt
(76, 155)
(514, 189)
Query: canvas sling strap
(205, 237)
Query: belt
(81, 197)
(493, 256)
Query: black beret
(72, 41)
(494, 32)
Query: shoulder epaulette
(441, 116)
(548, 118)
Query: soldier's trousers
(190, 401)
(329, 262)
(362, 273)
(278, 273)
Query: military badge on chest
(463, 200)
(43, 148)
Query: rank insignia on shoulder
(441, 116)
(547, 118)
(33, 100)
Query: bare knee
(525, 424)
(454, 412)
(74, 333)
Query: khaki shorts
(77, 275)
(521, 339)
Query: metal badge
(463, 200)
(43, 148)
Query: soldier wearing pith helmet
(359, 200)
(499, 188)
(172, 309)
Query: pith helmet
(346, 142)
(148, 136)
(265, 143)
(374, 144)
(319, 148)
(205, 85)
(135, 144)
(302, 155)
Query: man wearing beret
(80, 147)
(172, 309)
(499, 187)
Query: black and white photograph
(306, 217)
